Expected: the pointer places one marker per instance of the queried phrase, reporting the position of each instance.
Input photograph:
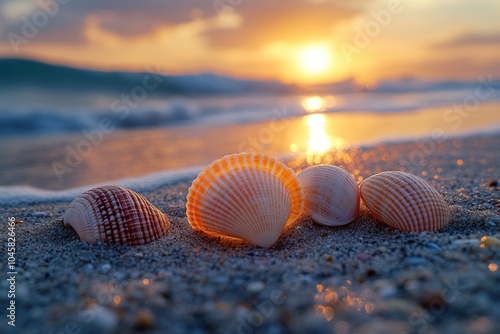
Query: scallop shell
(405, 201)
(331, 196)
(248, 195)
(115, 214)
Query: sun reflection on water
(313, 103)
(318, 142)
(318, 104)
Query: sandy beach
(363, 277)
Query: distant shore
(363, 277)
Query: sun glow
(314, 59)
(312, 104)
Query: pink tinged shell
(331, 195)
(115, 214)
(248, 196)
(405, 201)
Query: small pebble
(415, 260)
(382, 249)
(434, 246)
(165, 274)
(105, 320)
(119, 275)
(105, 267)
(492, 224)
(144, 319)
(255, 287)
(493, 183)
(388, 292)
(39, 214)
(431, 299)
(139, 255)
(89, 267)
(363, 257)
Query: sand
(363, 277)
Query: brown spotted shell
(247, 195)
(405, 201)
(115, 214)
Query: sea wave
(22, 194)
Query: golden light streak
(319, 141)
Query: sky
(295, 41)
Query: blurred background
(94, 91)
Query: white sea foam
(16, 195)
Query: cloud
(124, 18)
(470, 39)
(284, 20)
(262, 21)
(469, 68)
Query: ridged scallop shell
(115, 214)
(248, 195)
(331, 196)
(405, 201)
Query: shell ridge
(387, 208)
(145, 210)
(331, 196)
(403, 191)
(250, 201)
(424, 193)
(227, 182)
(221, 184)
(115, 214)
(423, 206)
(420, 195)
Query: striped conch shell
(248, 195)
(405, 201)
(115, 214)
(331, 195)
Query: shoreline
(70, 161)
(363, 277)
(11, 195)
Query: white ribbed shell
(405, 201)
(248, 195)
(115, 214)
(331, 195)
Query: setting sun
(314, 59)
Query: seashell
(405, 201)
(248, 195)
(331, 196)
(115, 214)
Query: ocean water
(65, 130)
